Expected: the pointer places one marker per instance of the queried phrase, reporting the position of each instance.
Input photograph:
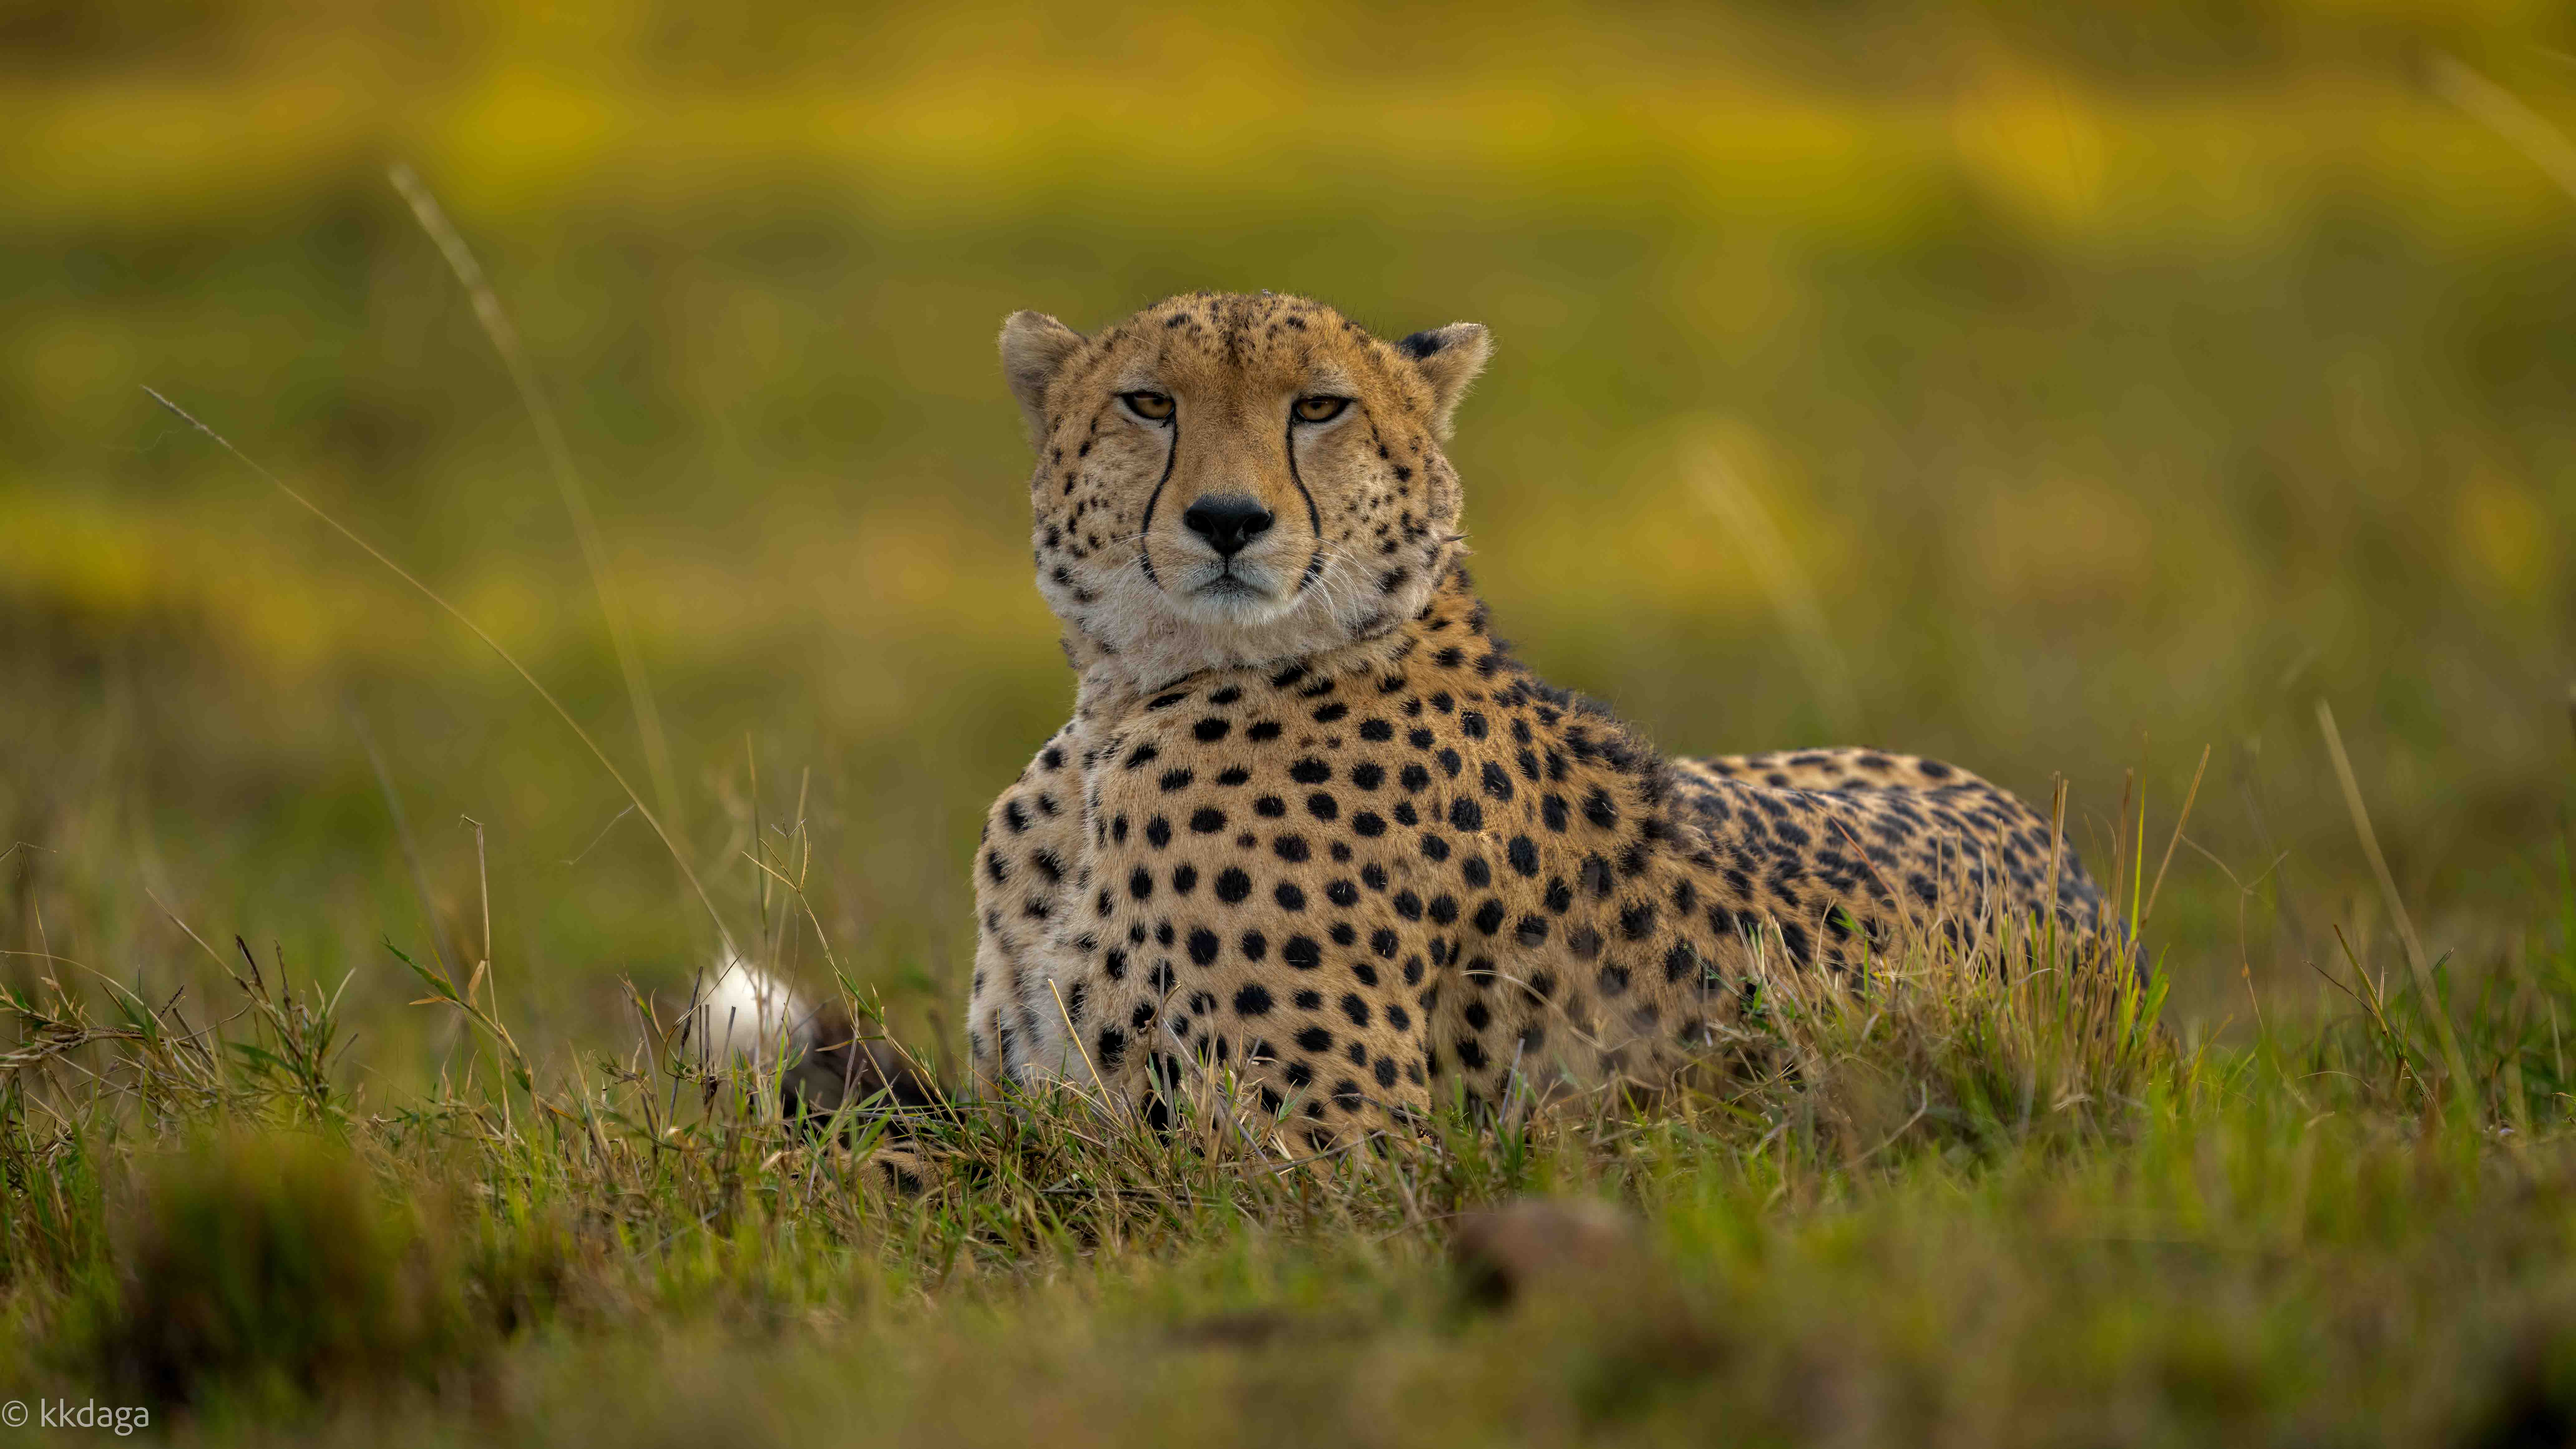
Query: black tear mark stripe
(1314, 516)
(1145, 530)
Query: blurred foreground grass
(2056, 391)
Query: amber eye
(1153, 407)
(1320, 409)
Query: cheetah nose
(1228, 521)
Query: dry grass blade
(403, 837)
(2506, 114)
(2416, 965)
(550, 438)
(460, 616)
(1762, 548)
(2188, 800)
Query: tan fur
(1323, 839)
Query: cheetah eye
(1319, 409)
(1153, 407)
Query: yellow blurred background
(2059, 390)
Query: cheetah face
(1229, 480)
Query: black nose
(1228, 521)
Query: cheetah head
(1228, 480)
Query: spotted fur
(1315, 833)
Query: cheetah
(1314, 831)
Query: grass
(1966, 1203)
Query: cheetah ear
(1448, 358)
(1034, 347)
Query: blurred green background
(2052, 389)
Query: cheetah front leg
(1025, 884)
(1238, 973)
